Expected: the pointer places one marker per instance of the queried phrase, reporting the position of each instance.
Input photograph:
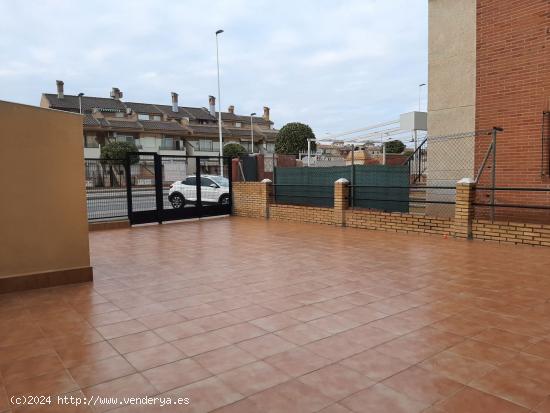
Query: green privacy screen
(372, 186)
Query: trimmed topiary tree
(233, 150)
(292, 139)
(395, 146)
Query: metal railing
(417, 162)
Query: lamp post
(80, 102)
(219, 103)
(420, 96)
(252, 130)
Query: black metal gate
(171, 187)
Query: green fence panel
(308, 186)
(315, 186)
(385, 198)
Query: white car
(214, 190)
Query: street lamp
(219, 103)
(80, 102)
(252, 129)
(419, 96)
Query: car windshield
(220, 180)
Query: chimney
(266, 113)
(116, 93)
(212, 104)
(175, 107)
(231, 109)
(60, 93)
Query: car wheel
(177, 201)
(224, 199)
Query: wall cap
(466, 181)
(266, 181)
(341, 181)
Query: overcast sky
(334, 65)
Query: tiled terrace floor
(245, 315)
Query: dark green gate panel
(387, 198)
(315, 186)
(308, 186)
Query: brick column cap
(466, 181)
(341, 181)
(266, 181)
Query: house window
(270, 147)
(238, 124)
(205, 145)
(119, 114)
(90, 141)
(168, 143)
(143, 116)
(124, 138)
(154, 117)
(203, 122)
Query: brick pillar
(265, 196)
(341, 201)
(464, 210)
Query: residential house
(166, 129)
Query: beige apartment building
(168, 129)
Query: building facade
(489, 65)
(167, 129)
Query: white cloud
(334, 65)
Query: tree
(114, 155)
(395, 146)
(292, 139)
(233, 150)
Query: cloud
(333, 65)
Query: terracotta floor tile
(121, 329)
(380, 398)
(215, 321)
(306, 313)
(101, 370)
(333, 323)
(253, 377)
(134, 342)
(54, 383)
(471, 400)
(459, 325)
(530, 366)
(375, 365)
(275, 322)
(161, 319)
(541, 349)
(544, 407)
(154, 356)
(302, 334)
(481, 351)
(513, 387)
(335, 408)
(397, 325)
(111, 317)
(292, 396)
(250, 312)
(336, 381)
(134, 385)
(361, 315)
(200, 343)
(177, 374)
(30, 367)
(502, 338)
(334, 305)
(265, 346)
(423, 385)
(25, 350)
(206, 395)
(81, 354)
(297, 361)
(240, 332)
(178, 331)
(335, 348)
(458, 368)
(223, 359)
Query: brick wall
(513, 88)
(510, 232)
(297, 213)
(253, 199)
(397, 222)
(250, 199)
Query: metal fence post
(128, 168)
(198, 186)
(158, 186)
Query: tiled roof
(89, 120)
(161, 125)
(124, 124)
(88, 103)
(143, 107)
(204, 130)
